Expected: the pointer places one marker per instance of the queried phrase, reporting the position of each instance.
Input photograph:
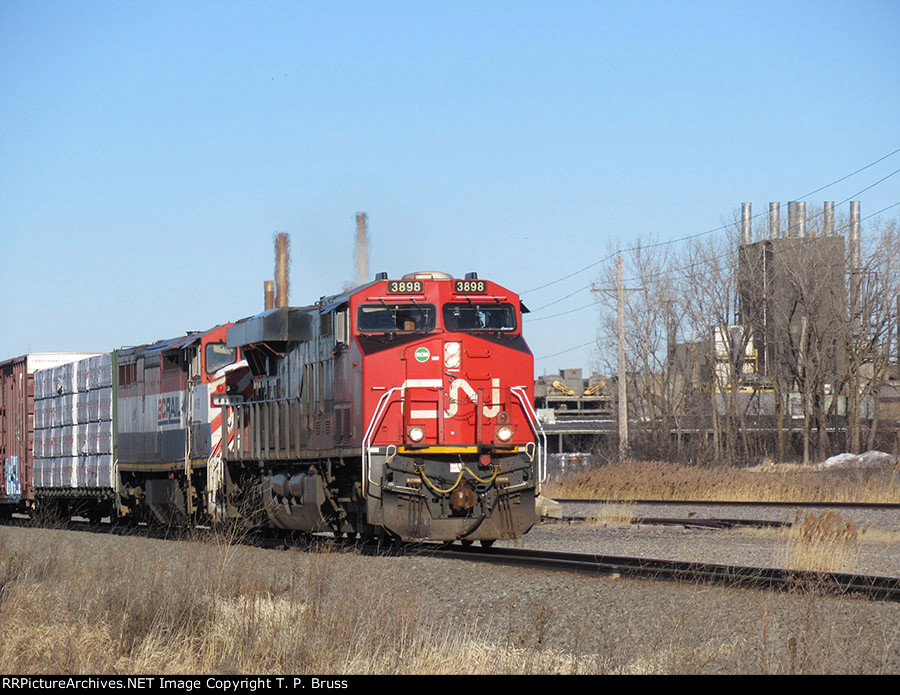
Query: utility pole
(620, 322)
(855, 326)
(623, 393)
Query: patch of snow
(870, 459)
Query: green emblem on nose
(422, 354)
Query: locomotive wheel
(486, 543)
(467, 542)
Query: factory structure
(797, 375)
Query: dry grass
(826, 542)
(636, 480)
(79, 603)
(207, 607)
(867, 534)
(622, 513)
(200, 611)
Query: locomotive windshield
(218, 355)
(475, 316)
(396, 318)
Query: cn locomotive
(400, 409)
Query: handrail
(534, 423)
(380, 410)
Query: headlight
(504, 433)
(452, 355)
(415, 434)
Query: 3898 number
(470, 286)
(404, 286)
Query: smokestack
(797, 219)
(774, 220)
(282, 263)
(829, 218)
(745, 223)
(269, 290)
(361, 250)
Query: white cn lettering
(455, 387)
(489, 411)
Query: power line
(562, 313)
(566, 277)
(563, 352)
(562, 299)
(721, 227)
(800, 240)
(684, 267)
(705, 260)
(692, 264)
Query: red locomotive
(402, 406)
(168, 428)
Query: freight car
(129, 434)
(401, 408)
(17, 425)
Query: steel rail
(690, 522)
(843, 584)
(734, 503)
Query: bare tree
(775, 326)
(870, 342)
(651, 306)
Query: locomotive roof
(281, 324)
(327, 304)
(178, 343)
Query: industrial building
(792, 373)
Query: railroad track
(738, 503)
(862, 586)
(688, 522)
(874, 587)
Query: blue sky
(149, 151)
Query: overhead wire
(715, 229)
(563, 352)
(688, 237)
(650, 276)
(706, 260)
(801, 240)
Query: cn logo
(455, 387)
(462, 385)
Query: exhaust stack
(282, 264)
(361, 249)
